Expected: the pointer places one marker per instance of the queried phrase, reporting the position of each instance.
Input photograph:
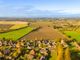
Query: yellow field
(16, 24)
(13, 22)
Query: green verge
(15, 35)
(74, 35)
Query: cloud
(32, 11)
(72, 11)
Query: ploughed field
(45, 32)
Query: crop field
(11, 25)
(41, 23)
(45, 32)
(16, 34)
(13, 22)
(5, 27)
(34, 40)
(17, 26)
(73, 34)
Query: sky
(39, 8)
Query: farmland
(16, 34)
(73, 34)
(34, 40)
(46, 32)
(13, 22)
(11, 25)
(17, 26)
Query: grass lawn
(15, 35)
(74, 35)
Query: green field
(15, 35)
(74, 35)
